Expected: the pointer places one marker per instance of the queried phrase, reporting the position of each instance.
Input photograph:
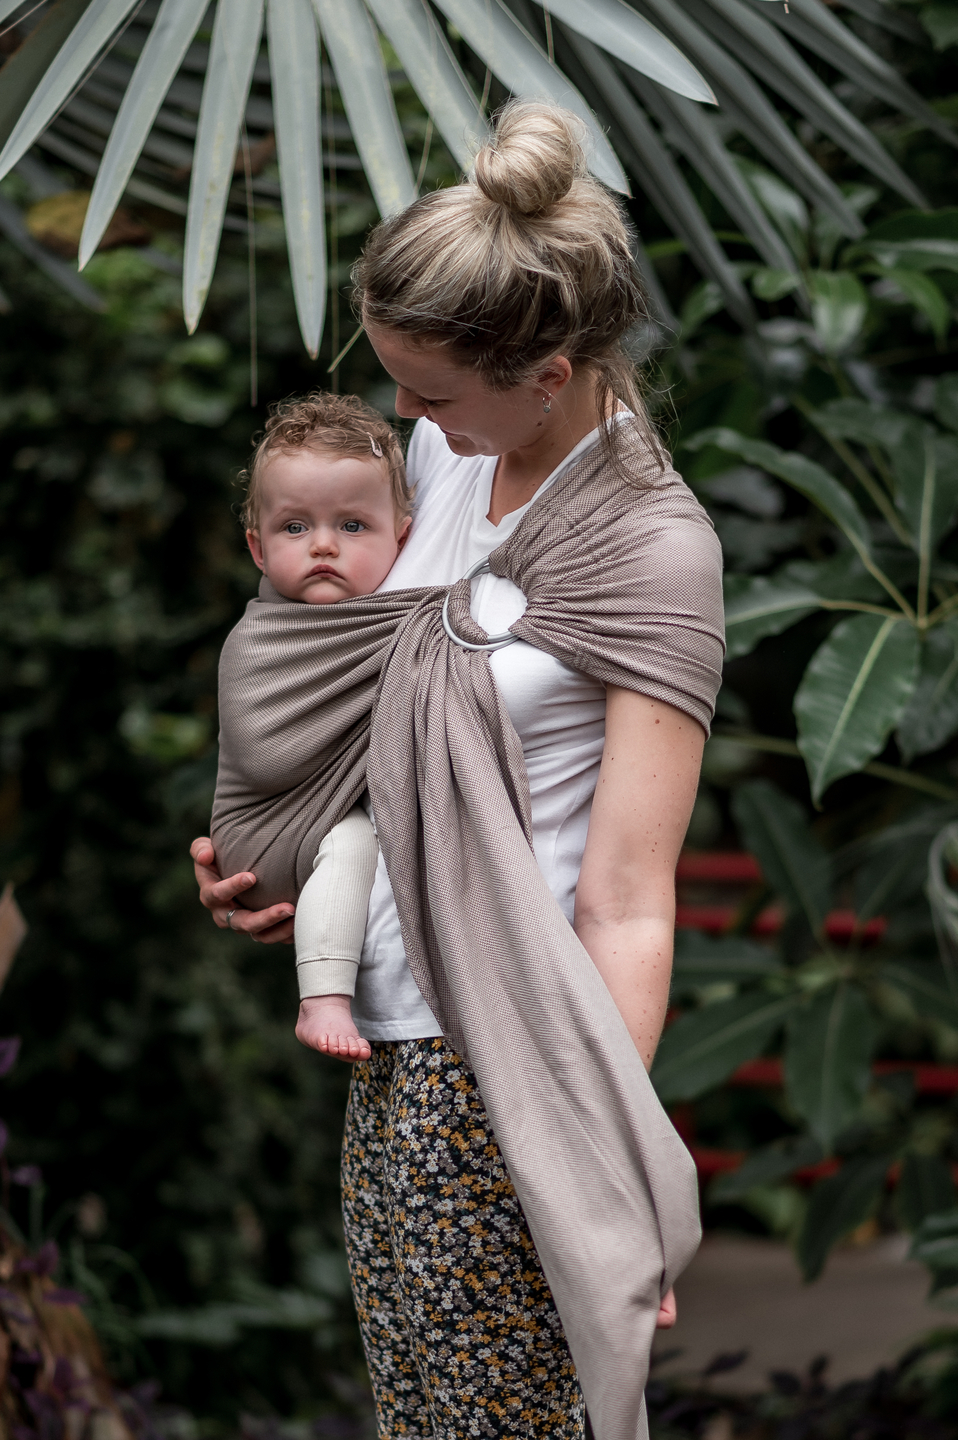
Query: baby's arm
(330, 927)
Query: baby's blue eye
(295, 527)
(353, 527)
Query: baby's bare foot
(326, 1024)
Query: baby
(327, 511)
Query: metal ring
(229, 918)
(495, 642)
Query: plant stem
(942, 611)
(773, 745)
(859, 605)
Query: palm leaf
(364, 87)
(661, 178)
(512, 55)
(160, 59)
(139, 119)
(813, 25)
(236, 36)
(759, 45)
(630, 38)
(95, 29)
(427, 59)
(294, 62)
(694, 133)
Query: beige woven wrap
(622, 583)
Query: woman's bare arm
(625, 899)
(267, 926)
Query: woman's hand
(218, 895)
(668, 1312)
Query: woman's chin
(462, 445)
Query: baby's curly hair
(340, 424)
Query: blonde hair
(530, 259)
(340, 424)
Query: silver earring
(546, 403)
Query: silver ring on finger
(229, 918)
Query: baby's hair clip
(376, 448)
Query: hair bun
(533, 159)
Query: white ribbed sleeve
(331, 912)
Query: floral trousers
(461, 1333)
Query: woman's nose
(408, 405)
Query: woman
(500, 308)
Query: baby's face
(327, 525)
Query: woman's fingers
(271, 926)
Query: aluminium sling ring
(495, 642)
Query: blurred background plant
(184, 1146)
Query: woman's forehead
(427, 367)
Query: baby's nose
(324, 541)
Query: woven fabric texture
(623, 582)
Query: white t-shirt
(558, 713)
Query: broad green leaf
(917, 240)
(756, 606)
(766, 1167)
(922, 292)
(236, 36)
(931, 715)
(926, 986)
(941, 22)
(837, 1205)
(839, 308)
(799, 472)
(95, 28)
(925, 1187)
(936, 1241)
(926, 474)
(161, 57)
(946, 401)
(771, 284)
(294, 66)
(840, 577)
(633, 41)
(353, 47)
(700, 961)
(858, 420)
(774, 828)
(493, 32)
(891, 877)
(701, 1049)
(828, 1048)
(427, 59)
(852, 695)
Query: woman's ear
(256, 548)
(402, 535)
(554, 376)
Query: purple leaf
(9, 1050)
(27, 1175)
(64, 1297)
